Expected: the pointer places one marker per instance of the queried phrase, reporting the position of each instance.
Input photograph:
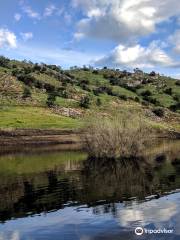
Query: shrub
(116, 137)
(86, 88)
(38, 84)
(36, 67)
(168, 91)
(136, 99)
(4, 61)
(154, 101)
(27, 70)
(175, 107)
(151, 100)
(96, 92)
(178, 83)
(114, 81)
(176, 98)
(105, 89)
(68, 74)
(26, 93)
(98, 102)
(159, 112)
(14, 66)
(85, 69)
(123, 97)
(54, 67)
(49, 88)
(15, 72)
(146, 93)
(85, 102)
(95, 71)
(64, 93)
(152, 74)
(26, 78)
(84, 81)
(51, 99)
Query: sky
(123, 34)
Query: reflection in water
(88, 199)
(147, 213)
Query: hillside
(46, 96)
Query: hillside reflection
(36, 183)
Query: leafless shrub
(122, 135)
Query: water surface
(61, 195)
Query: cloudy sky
(115, 33)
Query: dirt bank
(25, 138)
(65, 139)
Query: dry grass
(121, 135)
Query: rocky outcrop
(68, 112)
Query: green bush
(146, 93)
(137, 99)
(178, 82)
(152, 74)
(176, 98)
(168, 91)
(123, 97)
(98, 102)
(4, 61)
(51, 100)
(175, 107)
(86, 88)
(95, 71)
(26, 93)
(26, 78)
(84, 81)
(85, 102)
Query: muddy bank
(22, 139)
(15, 140)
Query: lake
(48, 193)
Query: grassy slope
(34, 117)
(16, 112)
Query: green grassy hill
(45, 96)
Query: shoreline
(16, 139)
(65, 139)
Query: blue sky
(115, 33)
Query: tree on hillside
(26, 93)
(51, 99)
(85, 102)
(4, 61)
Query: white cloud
(30, 12)
(7, 38)
(27, 36)
(12, 236)
(152, 212)
(17, 17)
(123, 20)
(49, 10)
(175, 40)
(138, 56)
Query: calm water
(63, 196)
